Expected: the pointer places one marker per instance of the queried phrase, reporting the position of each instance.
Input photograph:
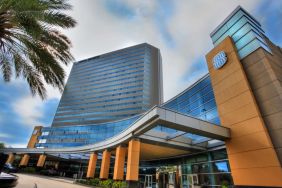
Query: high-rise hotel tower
(104, 95)
(111, 87)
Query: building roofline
(229, 16)
(114, 51)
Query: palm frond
(31, 45)
(6, 70)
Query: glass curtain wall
(207, 169)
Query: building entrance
(148, 181)
(189, 180)
(168, 177)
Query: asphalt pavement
(37, 181)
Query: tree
(31, 45)
(2, 145)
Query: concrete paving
(29, 181)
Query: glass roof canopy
(175, 133)
(196, 101)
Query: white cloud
(29, 109)
(18, 145)
(4, 135)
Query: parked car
(8, 180)
(9, 168)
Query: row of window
(85, 110)
(107, 68)
(112, 90)
(133, 97)
(92, 98)
(121, 78)
(106, 79)
(96, 112)
(107, 85)
(122, 53)
(95, 126)
(114, 56)
(104, 117)
(138, 101)
(105, 64)
(111, 70)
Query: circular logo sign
(219, 60)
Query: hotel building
(104, 95)
(225, 129)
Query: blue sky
(180, 29)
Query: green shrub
(106, 183)
(224, 184)
(103, 183)
(94, 182)
(29, 170)
(81, 181)
(116, 184)
(119, 184)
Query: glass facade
(111, 86)
(209, 169)
(196, 101)
(245, 31)
(69, 136)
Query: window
(45, 133)
(42, 141)
(221, 166)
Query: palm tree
(31, 46)
(2, 145)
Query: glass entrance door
(163, 180)
(185, 181)
(148, 181)
(168, 177)
(188, 180)
(171, 180)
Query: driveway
(29, 181)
